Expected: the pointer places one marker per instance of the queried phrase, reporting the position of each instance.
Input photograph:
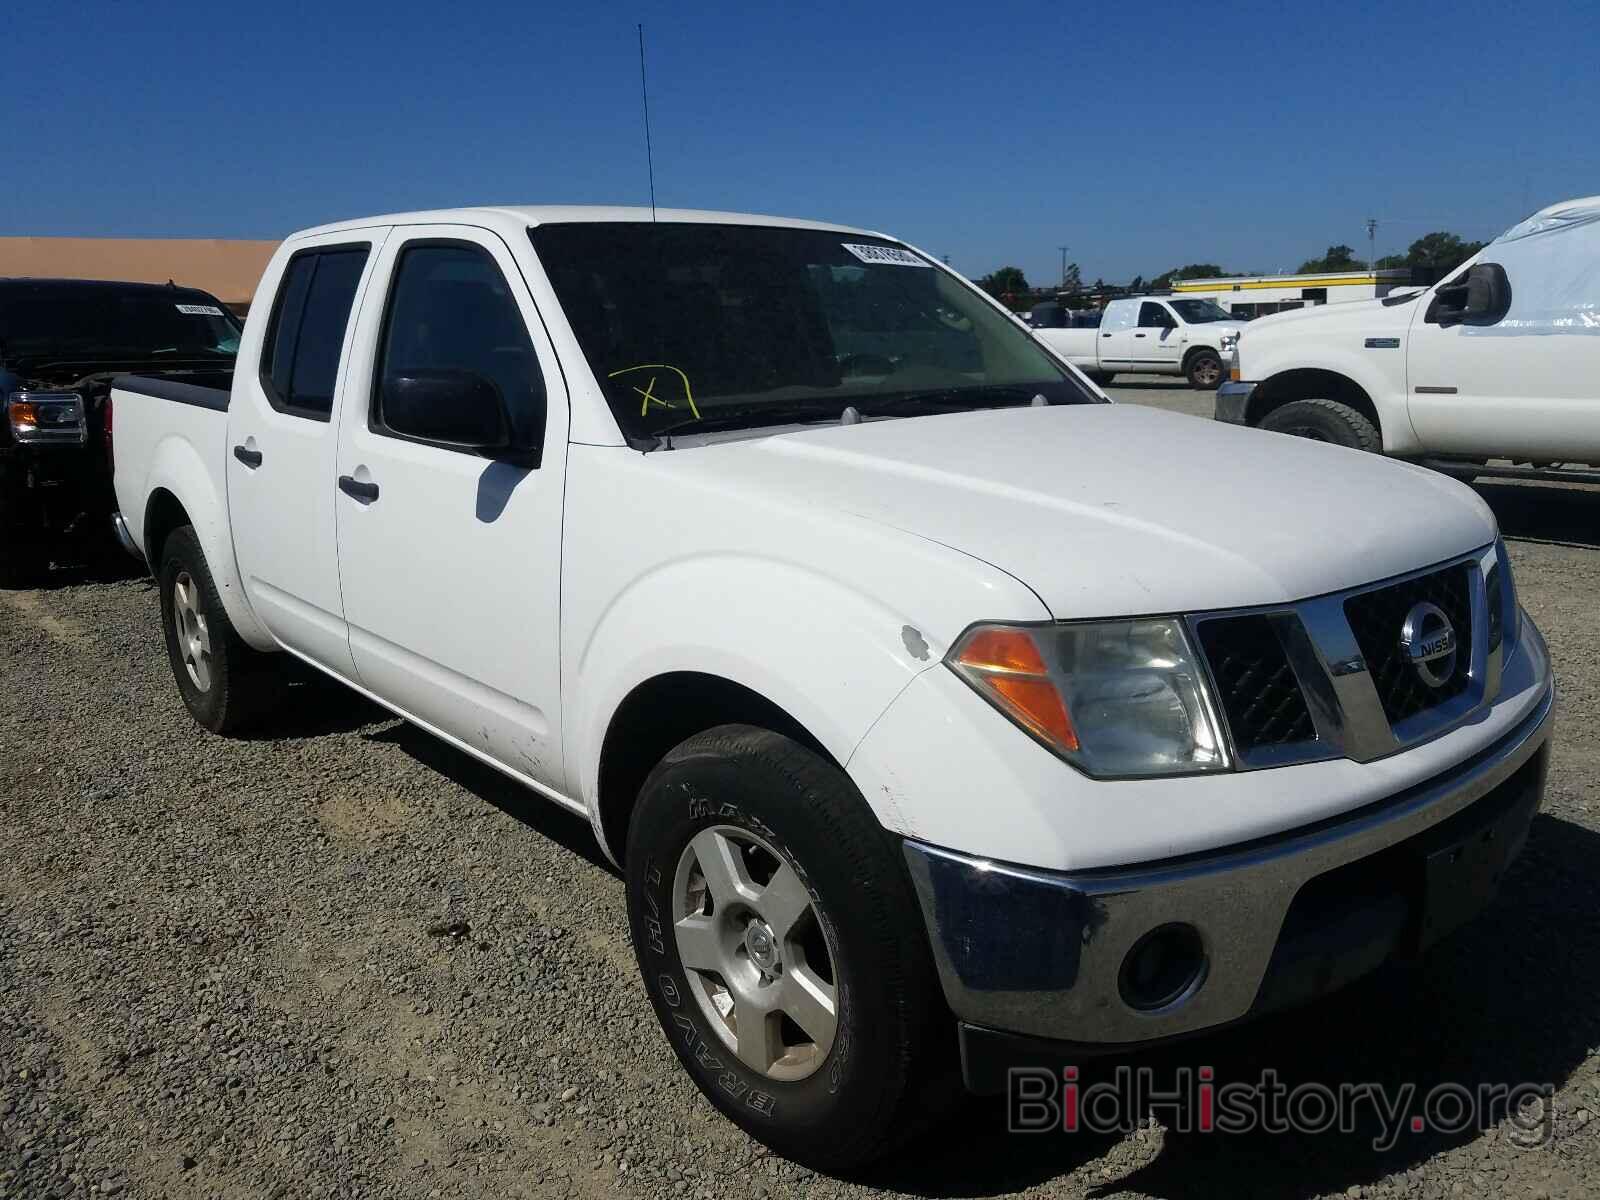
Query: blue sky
(1143, 135)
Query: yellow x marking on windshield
(648, 391)
(650, 397)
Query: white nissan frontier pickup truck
(941, 716)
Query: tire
(1325, 421)
(1204, 370)
(793, 836)
(224, 683)
(1100, 378)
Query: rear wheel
(783, 950)
(224, 683)
(1100, 378)
(1204, 370)
(1325, 421)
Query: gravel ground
(343, 960)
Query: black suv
(62, 341)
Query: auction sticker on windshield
(200, 310)
(891, 255)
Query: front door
(451, 561)
(1158, 341)
(1526, 385)
(282, 442)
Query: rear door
(1115, 335)
(1525, 386)
(282, 443)
(450, 561)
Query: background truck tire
(1204, 370)
(1325, 421)
(802, 839)
(224, 683)
(1100, 378)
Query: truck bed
(167, 432)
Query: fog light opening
(1165, 966)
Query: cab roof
(523, 216)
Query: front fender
(1383, 380)
(176, 467)
(830, 656)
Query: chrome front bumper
(1041, 954)
(1233, 398)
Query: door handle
(250, 458)
(1105, 335)
(356, 490)
(1138, 335)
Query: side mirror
(1480, 297)
(455, 408)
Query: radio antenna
(649, 155)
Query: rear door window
(300, 362)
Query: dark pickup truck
(62, 341)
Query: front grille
(1259, 693)
(1376, 619)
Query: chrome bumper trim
(1039, 953)
(1233, 397)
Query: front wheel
(1325, 421)
(1100, 378)
(1204, 370)
(783, 950)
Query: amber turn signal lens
(24, 415)
(1006, 666)
(1001, 650)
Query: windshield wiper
(955, 399)
(747, 416)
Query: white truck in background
(942, 716)
(1498, 361)
(1147, 335)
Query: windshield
(1201, 312)
(706, 325)
(90, 322)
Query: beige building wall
(228, 269)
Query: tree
(1192, 271)
(1390, 262)
(1136, 283)
(1072, 282)
(1440, 252)
(1006, 281)
(1338, 258)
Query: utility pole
(1372, 243)
(1063, 250)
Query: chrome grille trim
(1339, 691)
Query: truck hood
(1113, 510)
(1375, 315)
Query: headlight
(46, 418)
(1229, 341)
(1114, 698)
(1505, 617)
